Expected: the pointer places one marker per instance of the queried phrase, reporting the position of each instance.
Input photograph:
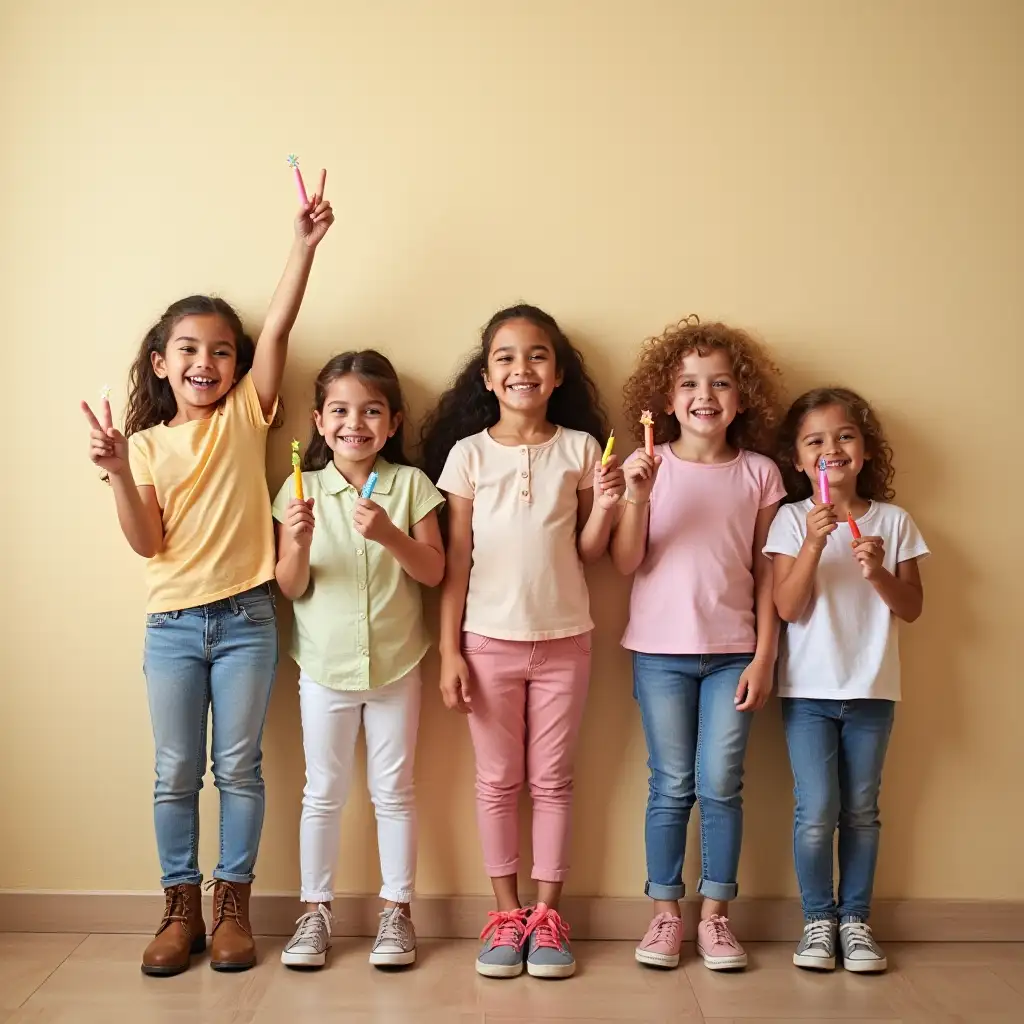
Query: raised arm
(311, 224)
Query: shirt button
(359, 551)
(525, 494)
(524, 474)
(362, 615)
(365, 653)
(522, 451)
(362, 586)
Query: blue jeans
(836, 749)
(225, 655)
(696, 740)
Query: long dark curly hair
(874, 482)
(467, 407)
(654, 380)
(376, 372)
(150, 398)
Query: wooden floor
(95, 979)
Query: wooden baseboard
(592, 917)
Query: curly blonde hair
(654, 379)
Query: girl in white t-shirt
(519, 436)
(845, 570)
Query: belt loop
(233, 605)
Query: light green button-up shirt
(360, 623)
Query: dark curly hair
(874, 481)
(150, 398)
(467, 407)
(376, 372)
(654, 380)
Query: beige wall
(844, 179)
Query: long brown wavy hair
(150, 398)
(376, 372)
(467, 407)
(654, 380)
(874, 481)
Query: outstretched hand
(108, 447)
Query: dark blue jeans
(696, 741)
(836, 749)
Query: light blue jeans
(836, 749)
(222, 655)
(696, 742)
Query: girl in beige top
(516, 444)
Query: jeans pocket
(473, 643)
(154, 620)
(583, 641)
(259, 612)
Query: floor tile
(1011, 973)
(964, 991)
(27, 960)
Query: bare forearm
(425, 564)
(793, 594)
(766, 617)
(629, 541)
(287, 298)
(593, 538)
(292, 572)
(138, 524)
(904, 600)
(453, 602)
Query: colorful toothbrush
(823, 488)
(608, 448)
(293, 163)
(297, 471)
(648, 424)
(371, 482)
(854, 529)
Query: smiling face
(829, 433)
(199, 362)
(355, 420)
(706, 398)
(521, 367)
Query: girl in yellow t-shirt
(191, 495)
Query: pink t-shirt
(694, 590)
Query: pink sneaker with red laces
(661, 943)
(718, 946)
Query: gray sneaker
(502, 952)
(308, 946)
(396, 940)
(817, 949)
(548, 954)
(861, 953)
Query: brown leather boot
(231, 945)
(181, 932)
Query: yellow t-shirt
(360, 623)
(526, 581)
(211, 485)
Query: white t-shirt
(845, 647)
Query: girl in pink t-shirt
(702, 626)
(519, 438)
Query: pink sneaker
(718, 946)
(662, 941)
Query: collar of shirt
(333, 482)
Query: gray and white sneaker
(308, 946)
(502, 953)
(548, 954)
(861, 954)
(817, 949)
(396, 940)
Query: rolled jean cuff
(724, 891)
(656, 891)
(187, 878)
(396, 895)
(808, 918)
(234, 876)
(316, 896)
(549, 874)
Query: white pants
(330, 726)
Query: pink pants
(527, 701)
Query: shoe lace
(859, 936)
(175, 906)
(667, 929)
(506, 926)
(818, 933)
(312, 925)
(394, 926)
(225, 900)
(547, 925)
(720, 929)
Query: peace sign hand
(108, 447)
(316, 217)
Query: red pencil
(853, 526)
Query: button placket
(363, 606)
(525, 480)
